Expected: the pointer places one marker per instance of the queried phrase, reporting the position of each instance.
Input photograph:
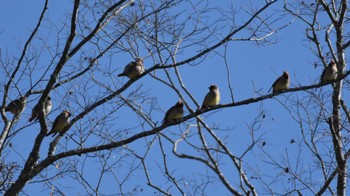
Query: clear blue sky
(250, 66)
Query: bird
(330, 73)
(60, 123)
(133, 69)
(16, 106)
(282, 83)
(175, 113)
(212, 98)
(47, 109)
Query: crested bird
(47, 109)
(133, 69)
(212, 98)
(282, 83)
(60, 123)
(175, 113)
(330, 73)
(17, 106)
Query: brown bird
(175, 113)
(47, 109)
(330, 73)
(212, 98)
(60, 123)
(133, 69)
(17, 106)
(282, 83)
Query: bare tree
(115, 130)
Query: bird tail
(49, 133)
(270, 89)
(122, 74)
(32, 118)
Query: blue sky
(250, 65)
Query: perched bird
(175, 113)
(47, 109)
(133, 69)
(282, 83)
(60, 123)
(212, 98)
(330, 73)
(16, 106)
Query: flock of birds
(174, 114)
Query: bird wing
(323, 74)
(205, 100)
(276, 82)
(209, 97)
(167, 114)
(14, 104)
(127, 70)
(34, 113)
(55, 123)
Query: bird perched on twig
(282, 83)
(47, 109)
(17, 106)
(133, 69)
(60, 123)
(212, 98)
(175, 113)
(330, 73)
